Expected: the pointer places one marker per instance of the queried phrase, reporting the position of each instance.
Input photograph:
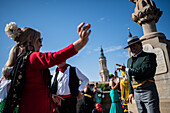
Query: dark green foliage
(104, 87)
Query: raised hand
(83, 33)
(121, 67)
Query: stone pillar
(149, 27)
(147, 15)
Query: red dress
(36, 97)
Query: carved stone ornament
(145, 10)
(160, 58)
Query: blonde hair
(22, 43)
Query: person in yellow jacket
(124, 86)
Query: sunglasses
(40, 40)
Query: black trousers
(68, 105)
(87, 105)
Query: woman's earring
(30, 47)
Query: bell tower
(104, 73)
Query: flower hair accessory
(111, 75)
(12, 30)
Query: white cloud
(101, 19)
(88, 52)
(110, 49)
(113, 48)
(97, 49)
(126, 54)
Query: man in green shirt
(141, 68)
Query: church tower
(104, 73)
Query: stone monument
(146, 14)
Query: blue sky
(57, 20)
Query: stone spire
(130, 35)
(146, 15)
(101, 53)
(104, 73)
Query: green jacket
(142, 68)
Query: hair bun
(12, 30)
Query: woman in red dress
(30, 87)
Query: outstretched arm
(46, 60)
(83, 79)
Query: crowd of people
(26, 85)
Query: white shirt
(63, 81)
(3, 89)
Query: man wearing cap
(141, 68)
